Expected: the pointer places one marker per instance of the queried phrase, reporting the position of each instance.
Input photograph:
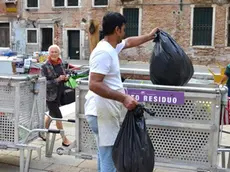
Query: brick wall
(178, 24)
(154, 13)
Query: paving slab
(58, 168)
(88, 170)
(8, 168)
(62, 160)
(34, 170)
(89, 164)
(40, 165)
(11, 160)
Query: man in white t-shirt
(106, 95)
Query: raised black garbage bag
(169, 64)
(133, 150)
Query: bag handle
(150, 112)
(140, 108)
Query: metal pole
(170, 88)
(22, 160)
(181, 5)
(28, 158)
(77, 125)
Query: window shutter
(132, 19)
(202, 26)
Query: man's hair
(110, 21)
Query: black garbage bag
(169, 64)
(68, 96)
(133, 150)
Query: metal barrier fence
(22, 107)
(184, 135)
(17, 102)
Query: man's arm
(97, 86)
(138, 40)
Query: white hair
(54, 46)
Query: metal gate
(184, 136)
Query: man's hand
(153, 32)
(129, 102)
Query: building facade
(201, 27)
(8, 16)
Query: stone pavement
(9, 159)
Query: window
(5, 34)
(32, 36)
(228, 26)
(66, 3)
(32, 3)
(100, 3)
(202, 26)
(59, 3)
(132, 21)
(72, 3)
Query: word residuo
(156, 99)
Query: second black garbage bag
(133, 150)
(169, 65)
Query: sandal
(65, 145)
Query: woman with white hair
(54, 72)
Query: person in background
(226, 78)
(106, 95)
(54, 72)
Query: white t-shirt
(104, 60)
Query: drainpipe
(21, 9)
(181, 5)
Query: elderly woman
(54, 72)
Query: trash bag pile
(169, 65)
(133, 150)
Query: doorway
(74, 44)
(47, 38)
